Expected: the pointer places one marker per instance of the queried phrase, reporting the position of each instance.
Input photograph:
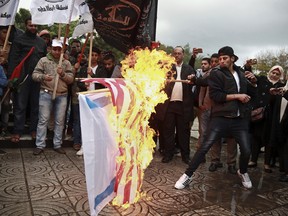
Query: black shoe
(166, 159)
(204, 160)
(213, 167)
(186, 160)
(176, 151)
(252, 164)
(232, 169)
(283, 178)
(267, 169)
(37, 151)
(60, 150)
(2, 152)
(161, 151)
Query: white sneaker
(246, 182)
(80, 152)
(183, 181)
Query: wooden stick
(182, 81)
(83, 49)
(59, 31)
(90, 52)
(7, 37)
(94, 91)
(79, 79)
(60, 62)
(5, 95)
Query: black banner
(125, 24)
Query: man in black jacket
(178, 109)
(230, 92)
(27, 93)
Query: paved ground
(54, 184)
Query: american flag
(128, 179)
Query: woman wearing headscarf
(260, 129)
(279, 127)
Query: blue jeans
(224, 127)
(45, 107)
(76, 124)
(5, 108)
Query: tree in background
(20, 18)
(267, 59)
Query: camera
(252, 61)
(198, 50)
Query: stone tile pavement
(53, 184)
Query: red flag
(17, 70)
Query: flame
(145, 75)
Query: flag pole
(60, 61)
(83, 49)
(62, 52)
(7, 37)
(90, 52)
(59, 31)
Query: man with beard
(27, 91)
(230, 92)
(106, 71)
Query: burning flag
(134, 100)
(125, 24)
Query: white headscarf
(278, 68)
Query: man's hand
(276, 91)
(48, 78)
(89, 71)
(60, 71)
(244, 98)
(251, 77)
(191, 78)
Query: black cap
(227, 51)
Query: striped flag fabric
(8, 10)
(100, 149)
(128, 174)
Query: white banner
(48, 12)
(85, 25)
(8, 10)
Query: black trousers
(175, 119)
(224, 127)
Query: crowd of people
(42, 87)
(232, 104)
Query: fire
(145, 75)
